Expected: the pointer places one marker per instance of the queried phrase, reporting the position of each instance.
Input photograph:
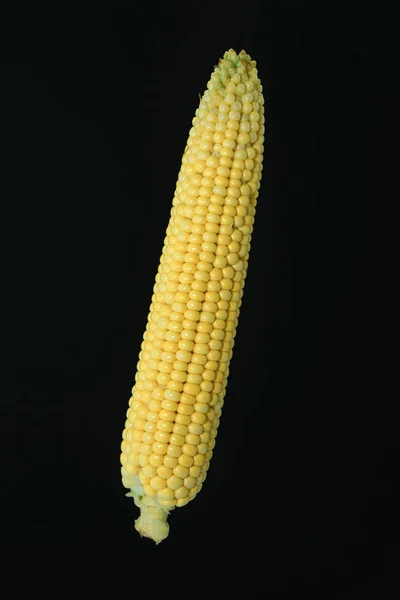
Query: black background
(98, 104)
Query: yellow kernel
(223, 171)
(147, 437)
(183, 355)
(188, 334)
(164, 472)
(155, 404)
(148, 490)
(202, 338)
(212, 161)
(220, 262)
(131, 469)
(214, 355)
(210, 307)
(213, 227)
(188, 398)
(182, 501)
(169, 415)
(185, 409)
(160, 448)
(194, 378)
(232, 126)
(185, 460)
(205, 192)
(181, 493)
(194, 247)
(139, 424)
(220, 190)
(226, 224)
(180, 366)
(194, 368)
(163, 376)
(174, 451)
(156, 460)
(157, 483)
(232, 258)
(168, 357)
(185, 278)
(217, 199)
(165, 426)
(176, 439)
(191, 388)
(206, 386)
(200, 286)
(196, 298)
(176, 386)
(181, 471)
(170, 461)
(171, 395)
(189, 449)
(201, 276)
(213, 286)
(170, 346)
(229, 210)
(182, 419)
(189, 258)
(174, 482)
(215, 275)
(205, 266)
(213, 218)
(202, 448)
(167, 495)
(207, 317)
(208, 375)
(178, 376)
(217, 344)
(199, 359)
(207, 256)
(199, 460)
(209, 247)
(181, 429)
(195, 471)
(226, 151)
(201, 348)
(220, 180)
(205, 436)
(162, 436)
(175, 325)
(198, 417)
(149, 471)
(189, 482)
(192, 438)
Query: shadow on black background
(99, 102)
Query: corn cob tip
(229, 71)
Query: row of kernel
(216, 382)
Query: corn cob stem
(152, 522)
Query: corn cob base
(183, 367)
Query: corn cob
(183, 367)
